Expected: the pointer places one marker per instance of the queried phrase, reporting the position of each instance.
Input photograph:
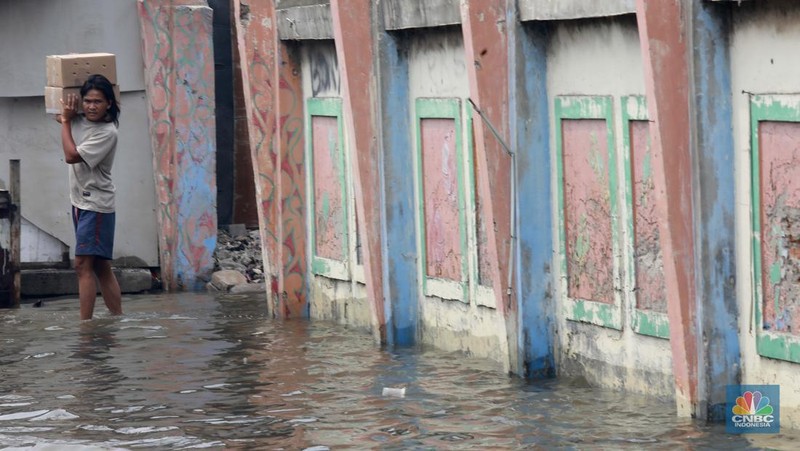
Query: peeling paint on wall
(648, 260)
(779, 152)
(179, 75)
(329, 177)
(440, 186)
(587, 206)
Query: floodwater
(191, 371)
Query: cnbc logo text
(753, 409)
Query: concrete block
(134, 280)
(65, 71)
(305, 22)
(573, 9)
(237, 230)
(226, 279)
(250, 288)
(402, 14)
(59, 282)
(129, 261)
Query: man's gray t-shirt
(90, 181)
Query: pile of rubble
(237, 262)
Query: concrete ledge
(58, 282)
(403, 14)
(573, 9)
(305, 22)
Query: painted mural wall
(457, 311)
(179, 75)
(766, 108)
(609, 303)
(336, 284)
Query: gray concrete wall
(573, 9)
(32, 29)
(399, 14)
(311, 21)
(28, 134)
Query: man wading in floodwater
(89, 141)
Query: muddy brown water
(194, 371)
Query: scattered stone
(226, 279)
(240, 253)
(237, 230)
(249, 288)
(233, 266)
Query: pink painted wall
(779, 153)
(440, 190)
(328, 200)
(587, 210)
(649, 265)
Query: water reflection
(193, 371)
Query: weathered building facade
(603, 189)
(564, 187)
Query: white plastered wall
(437, 70)
(341, 301)
(602, 57)
(765, 44)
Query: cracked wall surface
(780, 224)
(587, 210)
(648, 260)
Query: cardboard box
(53, 96)
(72, 70)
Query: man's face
(95, 105)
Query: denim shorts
(94, 233)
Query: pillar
(355, 48)
(664, 32)
(179, 81)
(271, 81)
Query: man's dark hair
(102, 84)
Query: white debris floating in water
(394, 392)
